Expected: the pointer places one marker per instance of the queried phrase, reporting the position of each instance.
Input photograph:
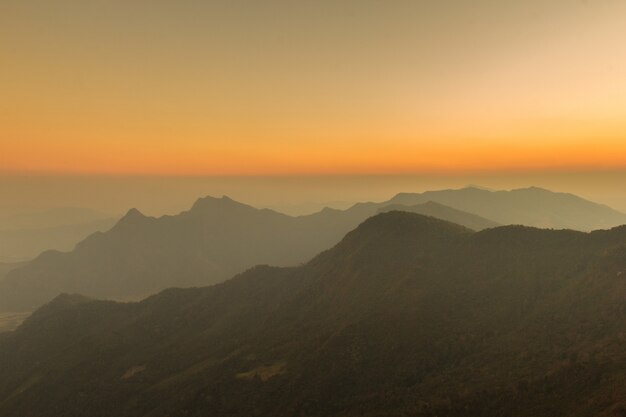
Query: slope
(532, 206)
(442, 212)
(26, 244)
(219, 237)
(407, 315)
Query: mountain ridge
(219, 237)
(434, 209)
(553, 209)
(388, 322)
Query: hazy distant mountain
(407, 316)
(5, 267)
(141, 255)
(25, 233)
(26, 244)
(218, 238)
(527, 206)
(442, 212)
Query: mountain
(5, 267)
(407, 315)
(11, 321)
(532, 206)
(26, 244)
(141, 255)
(442, 212)
(219, 237)
(26, 232)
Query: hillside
(407, 315)
(11, 321)
(141, 255)
(27, 232)
(6, 267)
(442, 212)
(219, 237)
(26, 244)
(532, 206)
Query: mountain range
(407, 315)
(219, 237)
(440, 211)
(25, 234)
(18, 245)
(532, 206)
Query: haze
(312, 208)
(157, 195)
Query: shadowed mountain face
(407, 315)
(219, 237)
(142, 255)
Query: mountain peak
(66, 299)
(61, 302)
(443, 212)
(395, 227)
(381, 249)
(132, 216)
(133, 212)
(478, 187)
(534, 189)
(431, 203)
(400, 220)
(210, 202)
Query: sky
(311, 87)
(532, 90)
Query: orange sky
(282, 87)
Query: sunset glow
(205, 89)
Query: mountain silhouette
(219, 237)
(25, 244)
(406, 315)
(532, 206)
(440, 211)
(25, 233)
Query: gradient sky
(311, 86)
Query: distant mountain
(442, 212)
(407, 316)
(5, 267)
(26, 244)
(527, 206)
(219, 237)
(141, 255)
